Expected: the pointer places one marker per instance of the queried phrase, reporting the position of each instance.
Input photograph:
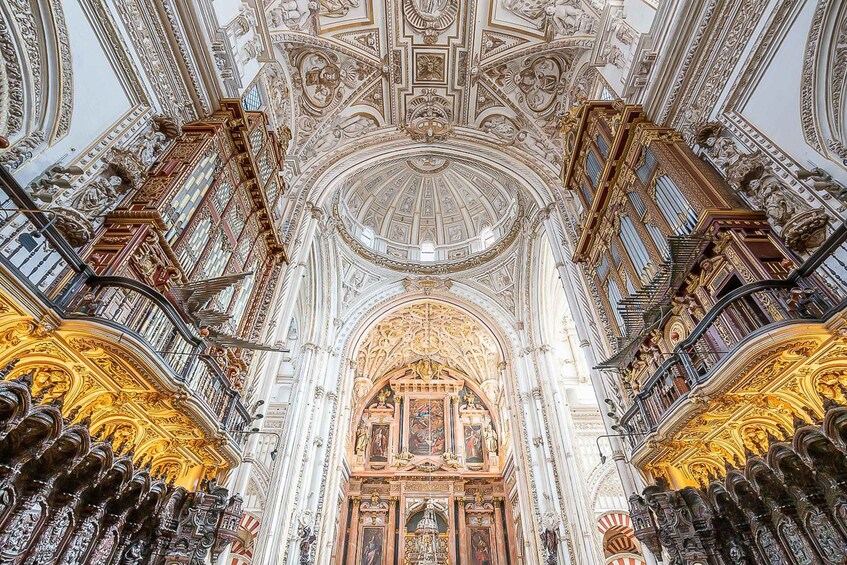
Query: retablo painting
(473, 443)
(379, 443)
(480, 547)
(372, 540)
(426, 427)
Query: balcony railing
(32, 249)
(815, 291)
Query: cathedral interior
(423, 282)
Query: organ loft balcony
(726, 327)
(143, 326)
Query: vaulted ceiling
(502, 70)
(429, 330)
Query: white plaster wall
(639, 14)
(99, 99)
(774, 106)
(226, 10)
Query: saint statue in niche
(361, 440)
(372, 548)
(491, 442)
(473, 444)
(379, 443)
(480, 547)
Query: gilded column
(499, 532)
(392, 521)
(353, 536)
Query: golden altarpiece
(425, 438)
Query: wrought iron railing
(39, 257)
(816, 290)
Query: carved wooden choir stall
(67, 498)
(786, 505)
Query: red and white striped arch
(618, 535)
(249, 528)
(627, 560)
(618, 520)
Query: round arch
(377, 306)
(326, 175)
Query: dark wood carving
(786, 506)
(67, 498)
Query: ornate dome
(428, 209)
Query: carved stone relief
(802, 227)
(430, 17)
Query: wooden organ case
(210, 207)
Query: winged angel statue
(196, 299)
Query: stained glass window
(607, 94)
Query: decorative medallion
(430, 17)
(430, 117)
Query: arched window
(674, 206)
(486, 237)
(635, 248)
(368, 237)
(427, 252)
